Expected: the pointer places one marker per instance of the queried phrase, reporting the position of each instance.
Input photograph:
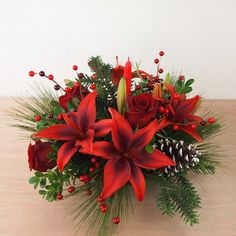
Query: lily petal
(153, 160)
(137, 181)
(72, 120)
(102, 149)
(65, 153)
(191, 132)
(122, 133)
(58, 132)
(86, 142)
(86, 113)
(144, 136)
(102, 127)
(112, 181)
(164, 122)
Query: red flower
(38, 156)
(79, 130)
(126, 155)
(116, 74)
(142, 108)
(75, 92)
(181, 112)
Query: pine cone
(185, 156)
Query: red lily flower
(79, 130)
(126, 155)
(181, 112)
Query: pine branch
(177, 194)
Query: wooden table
(24, 213)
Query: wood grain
(24, 213)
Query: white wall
(199, 38)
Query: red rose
(75, 92)
(142, 108)
(38, 156)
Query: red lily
(126, 155)
(79, 130)
(181, 112)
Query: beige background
(24, 213)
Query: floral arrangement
(107, 135)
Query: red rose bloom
(142, 108)
(75, 92)
(38, 156)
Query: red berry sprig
(71, 189)
(75, 67)
(59, 196)
(116, 220)
(211, 120)
(31, 73)
(103, 208)
(37, 118)
(161, 53)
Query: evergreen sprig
(177, 194)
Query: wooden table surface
(24, 213)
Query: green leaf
(33, 179)
(42, 192)
(189, 82)
(149, 148)
(43, 182)
(187, 90)
(38, 174)
(179, 86)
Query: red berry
(31, 73)
(116, 220)
(181, 77)
(50, 116)
(71, 189)
(138, 87)
(57, 87)
(160, 70)
(37, 118)
(103, 208)
(203, 123)
(156, 79)
(97, 165)
(161, 109)
(150, 85)
(211, 120)
(175, 127)
(193, 126)
(92, 86)
(81, 178)
(41, 73)
(60, 117)
(100, 199)
(156, 61)
(81, 75)
(59, 196)
(75, 67)
(67, 89)
(176, 95)
(88, 191)
(50, 77)
(161, 53)
(86, 179)
(94, 160)
(91, 169)
(77, 85)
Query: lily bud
(157, 91)
(121, 95)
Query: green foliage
(183, 87)
(177, 194)
(106, 89)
